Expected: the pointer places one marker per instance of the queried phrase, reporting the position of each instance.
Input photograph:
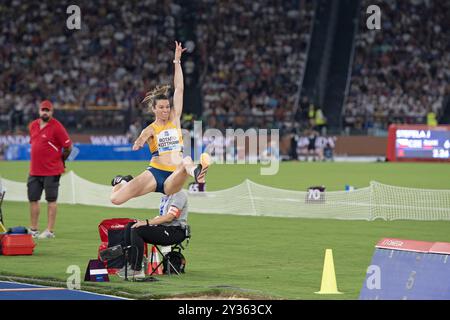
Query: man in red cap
(47, 137)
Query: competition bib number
(168, 140)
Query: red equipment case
(17, 244)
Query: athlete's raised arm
(178, 81)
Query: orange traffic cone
(154, 262)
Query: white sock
(191, 171)
(123, 182)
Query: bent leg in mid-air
(124, 191)
(176, 180)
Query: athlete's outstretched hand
(179, 50)
(136, 146)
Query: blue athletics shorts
(160, 177)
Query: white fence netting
(375, 201)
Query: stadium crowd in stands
(400, 74)
(253, 54)
(251, 59)
(120, 52)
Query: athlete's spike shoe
(128, 178)
(118, 179)
(202, 168)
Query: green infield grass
(255, 257)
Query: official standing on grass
(47, 137)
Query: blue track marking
(22, 291)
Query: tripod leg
(2, 195)
(126, 266)
(174, 269)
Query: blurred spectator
(187, 121)
(312, 115)
(320, 121)
(431, 119)
(134, 131)
(328, 150)
(311, 144)
(293, 146)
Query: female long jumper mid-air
(168, 170)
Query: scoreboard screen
(422, 144)
(418, 143)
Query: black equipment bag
(177, 262)
(116, 237)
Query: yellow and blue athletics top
(167, 138)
